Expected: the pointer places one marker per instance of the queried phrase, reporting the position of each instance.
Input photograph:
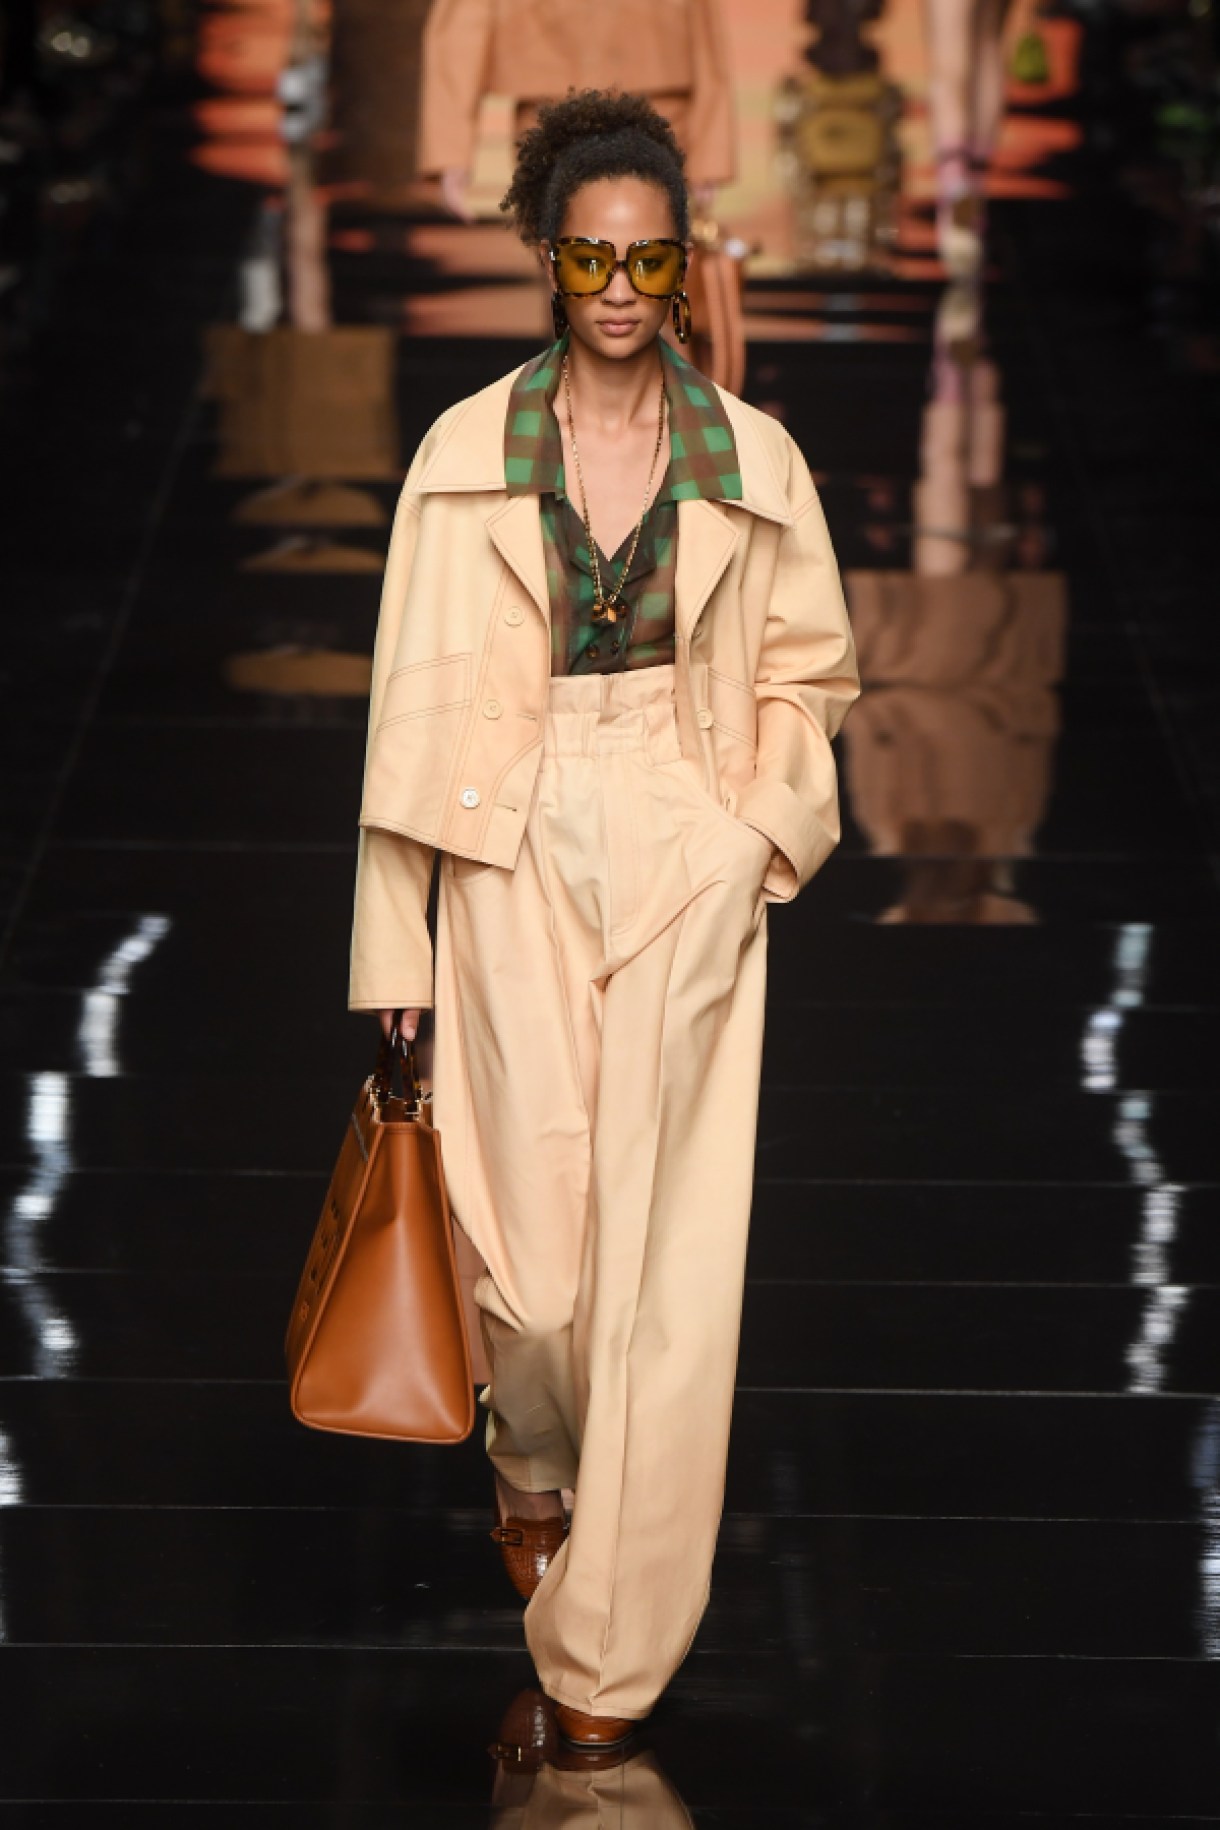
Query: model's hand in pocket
(410, 1022)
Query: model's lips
(618, 327)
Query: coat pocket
(733, 707)
(734, 712)
(412, 749)
(428, 686)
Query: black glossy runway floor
(970, 1565)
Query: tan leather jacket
(765, 673)
(536, 50)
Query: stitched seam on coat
(737, 685)
(750, 739)
(419, 667)
(411, 832)
(425, 711)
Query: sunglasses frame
(597, 241)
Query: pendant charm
(604, 613)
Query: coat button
(705, 719)
(492, 708)
(515, 615)
(469, 797)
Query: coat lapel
(706, 543)
(515, 528)
(469, 459)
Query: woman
(676, 52)
(619, 743)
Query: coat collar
(470, 456)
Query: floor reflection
(306, 408)
(543, 1784)
(950, 756)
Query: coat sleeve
(806, 681)
(710, 152)
(456, 55)
(391, 955)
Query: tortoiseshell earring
(559, 316)
(682, 317)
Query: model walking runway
(895, 1331)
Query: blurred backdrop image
(964, 257)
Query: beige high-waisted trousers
(599, 1021)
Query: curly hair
(592, 134)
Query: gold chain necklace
(607, 608)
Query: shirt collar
(703, 452)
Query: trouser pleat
(599, 1033)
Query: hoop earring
(559, 316)
(681, 311)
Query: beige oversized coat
(765, 673)
(536, 50)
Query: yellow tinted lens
(584, 267)
(656, 268)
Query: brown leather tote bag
(376, 1343)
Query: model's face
(619, 322)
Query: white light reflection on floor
(1099, 1044)
(1160, 1317)
(48, 1131)
(1158, 1229)
(99, 1019)
(48, 1128)
(1163, 1307)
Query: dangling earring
(559, 316)
(682, 317)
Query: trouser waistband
(588, 714)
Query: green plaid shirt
(703, 462)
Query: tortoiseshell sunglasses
(582, 266)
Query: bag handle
(397, 1050)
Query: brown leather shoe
(527, 1735)
(592, 1731)
(527, 1546)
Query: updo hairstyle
(592, 134)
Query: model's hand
(410, 1022)
(455, 186)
